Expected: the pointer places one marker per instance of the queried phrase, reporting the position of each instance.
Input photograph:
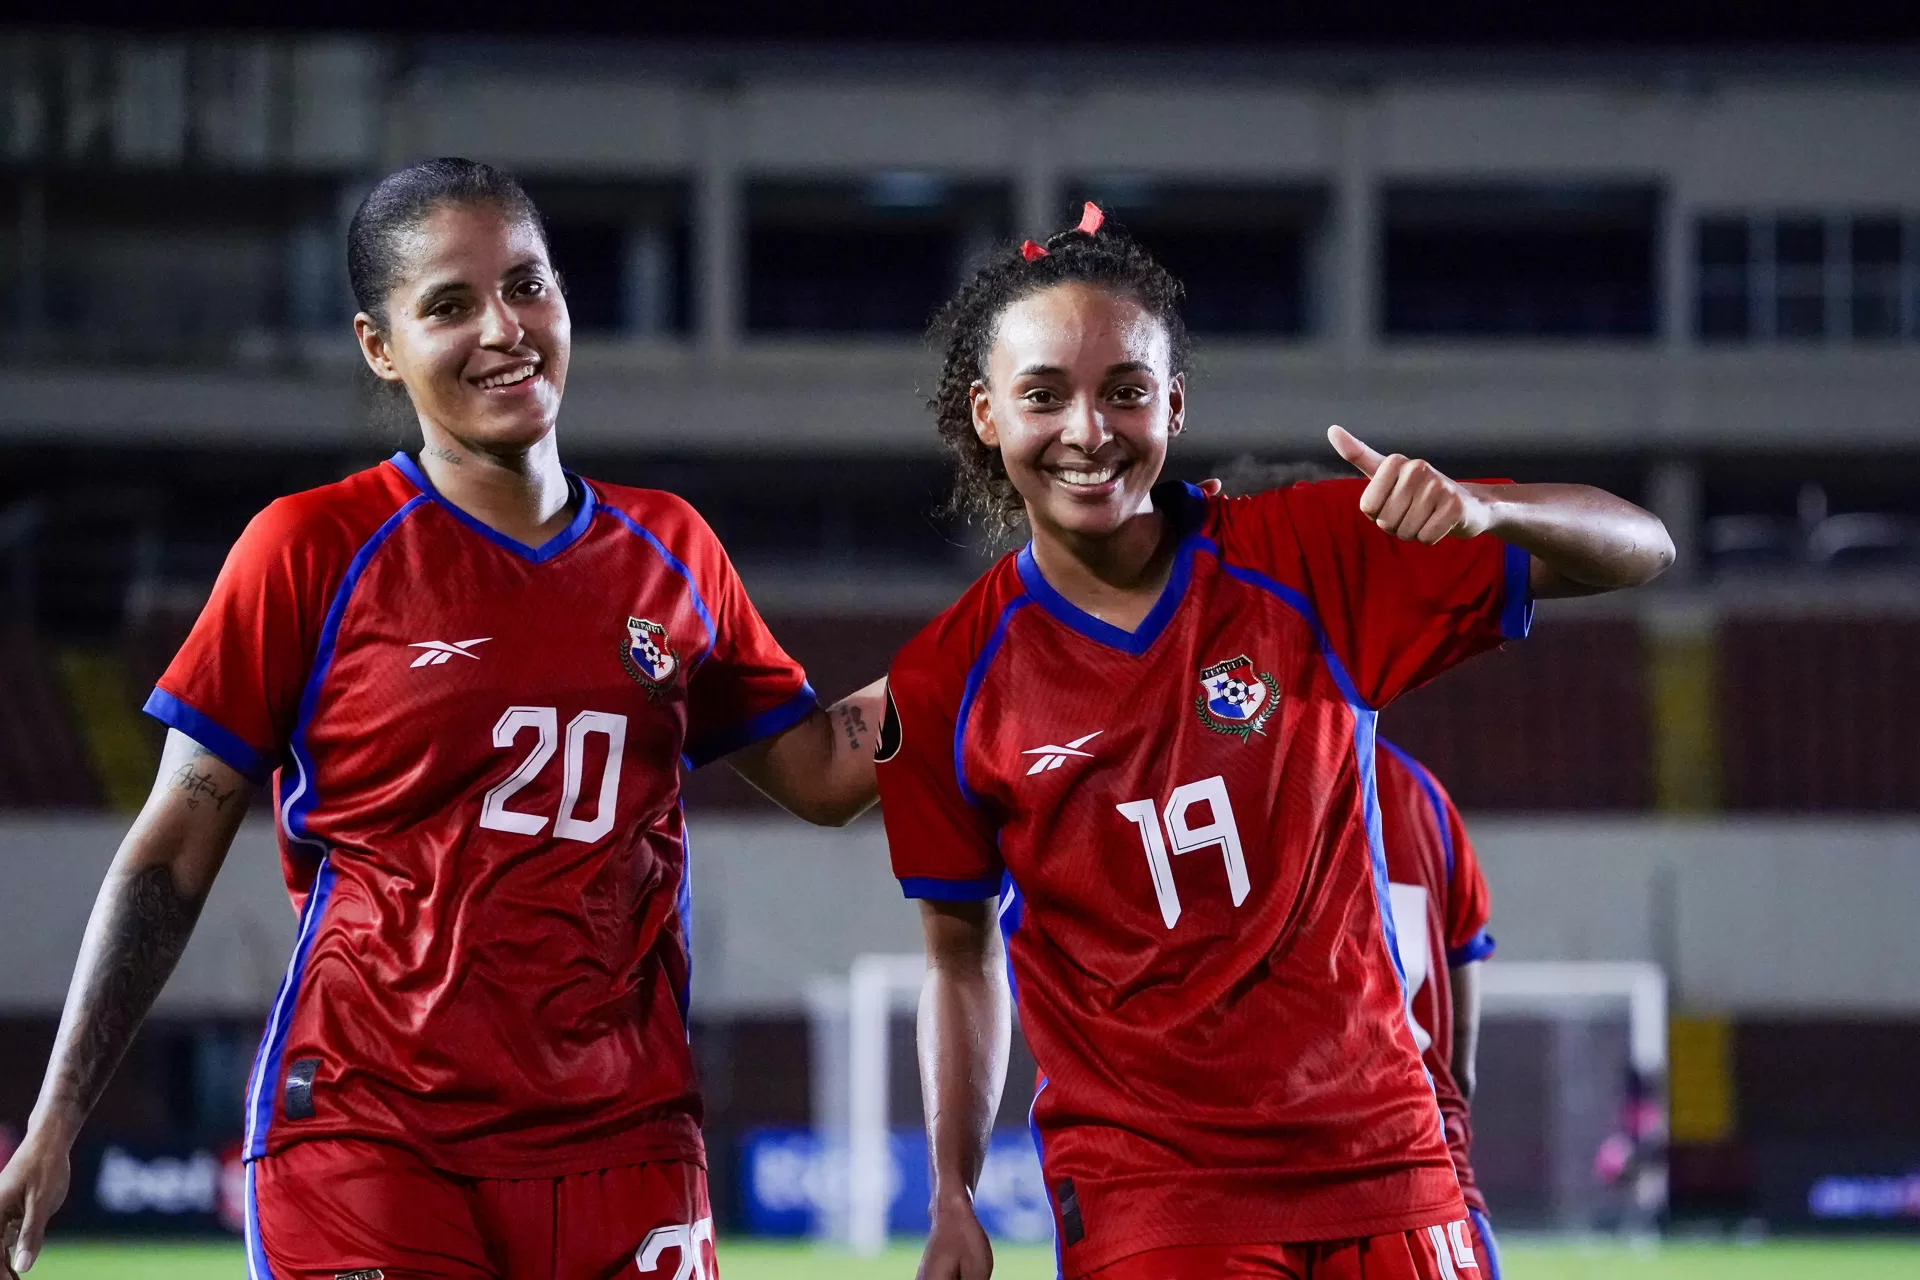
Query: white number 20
(494, 814)
(1185, 838)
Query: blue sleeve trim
(1478, 947)
(765, 725)
(1516, 615)
(209, 733)
(950, 890)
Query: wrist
(54, 1122)
(951, 1200)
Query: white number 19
(1219, 830)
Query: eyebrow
(526, 266)
(1125, 366)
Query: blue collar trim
(546, 551)
(1184, 505)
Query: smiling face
(1080, 398)
(476, 328)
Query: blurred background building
(1693, 279)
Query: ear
(373, 348)
(982, 408)
(1177, 406)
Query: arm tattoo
(143, 930)
(853, 724)
(199, 786)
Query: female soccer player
(477, 676)
(1150, 733)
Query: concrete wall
(1755, 917)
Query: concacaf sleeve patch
(890, 734)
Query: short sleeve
(1469, 903)
(746, 688)
(1397, 613)
(235, 685)
(942, 846)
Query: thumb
(33, 1230)
(1358, 455)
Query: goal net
(1569, 1117)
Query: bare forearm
(141, 920)
(822, 768)
(1584, 536)
(965, 1031)
(1465, 983)
(140, 925)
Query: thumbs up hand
(1409, 497)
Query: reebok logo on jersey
(439, 652)
(1052, 757)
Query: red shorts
(1450, 1252)
(326, 1209)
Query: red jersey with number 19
(477, 746)
(1183, 823)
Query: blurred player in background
(1440, 911)
(1440, 905)
(1150, 735)
(477, 677)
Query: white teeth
(1087, 479)
(508, 378)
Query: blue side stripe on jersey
(1484, 1229)
(1072, 616)
(1434, 801)
(264, 1088)
(1479, 947)
(693, 589)
(305, 794)
(1365, 720)
(976, 675)
(767, 724)
(545, 551)
(948, 890)
(1012, 914)
(257, 1266)
(209, 733)
(1516, 615)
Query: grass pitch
(746, 1260)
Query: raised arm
(966, 1025)
(141, 920)
(821, 770)
(1582, 540)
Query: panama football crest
(1235, 699)
(647, 656)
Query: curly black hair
(964, 330)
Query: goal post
(1555, 1030)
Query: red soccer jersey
(1185, 819)
(477, 747)
(1440, 906)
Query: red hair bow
(1090, 219)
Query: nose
(1086, 427)
(500, 328)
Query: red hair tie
(1091, 219)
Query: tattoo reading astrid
(854, 724)
(199, 786)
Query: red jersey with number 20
(1183, 822)
(477, 747)
(1440, 907)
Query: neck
(522, 493)
(1115, 577)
